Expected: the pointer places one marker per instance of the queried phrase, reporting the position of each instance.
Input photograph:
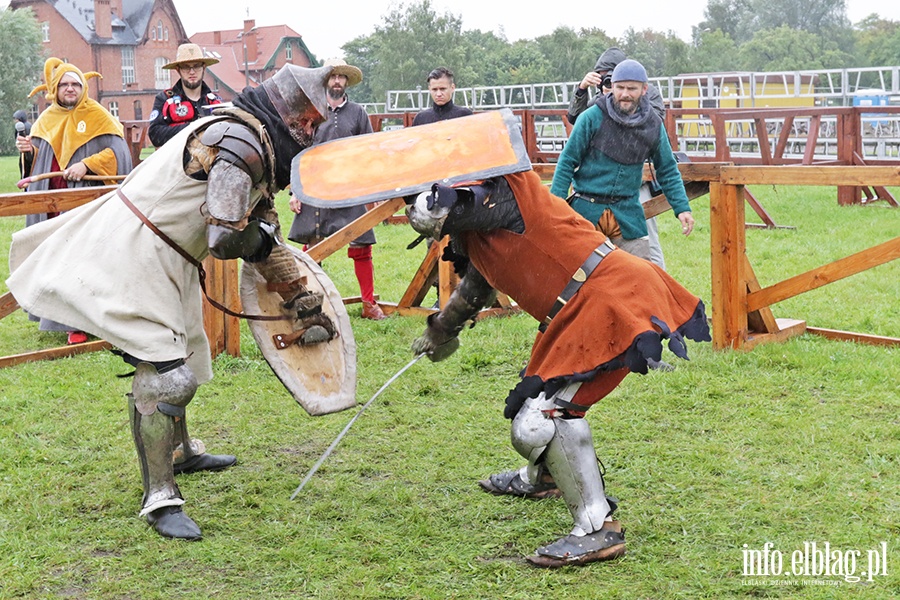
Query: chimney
(217, 38)
(116, 6)
(102, 19)
(250, 42)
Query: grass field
(788, 445)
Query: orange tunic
(615, 321)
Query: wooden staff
(23, 183)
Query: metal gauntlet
(440, 337)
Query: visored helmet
(298, 94)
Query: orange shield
(390, 164)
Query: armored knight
(126, 266)
(603, 313)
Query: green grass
(790, 443)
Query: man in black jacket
(184, 102)
(441, 87)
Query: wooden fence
(222, 279)
(740, 308)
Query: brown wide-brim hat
(190, 53)
(339, 66)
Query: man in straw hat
(344, 118)
(184, 102)
(125, 267)
(74, 136)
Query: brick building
(129, 41)
(250, 55)
(126, 41)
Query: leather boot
(372, 311)
(205, 462)
(171, 522)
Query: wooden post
(728, 245)
(849, 135)
(223, 331)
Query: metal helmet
(298, 94)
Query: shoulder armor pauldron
(237, 144)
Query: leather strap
(200, 270)
(577, 280)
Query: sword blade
(341, 435)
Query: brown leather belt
(199, 266)
(577, 280)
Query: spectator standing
(343, 119)
(603, 161)
(187, 100)
(76, 136)
(600, 78)
(441, 87)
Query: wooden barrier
(741, 314)
(221, 280)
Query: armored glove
(265, 234)
(436, 342)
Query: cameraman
(600, 79)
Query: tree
(877, 41)
(714, 52)
(662, 54)
(731, 17)
(400, 54)
(571, 54)
(787, 49)
(20, 54)
(742, 19)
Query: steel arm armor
(440, 338)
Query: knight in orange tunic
(603, 313)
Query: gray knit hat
(609, 59)
(629, 70)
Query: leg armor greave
(563, 447)
(156, 400)
(573, 463)
(532, 431)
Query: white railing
(825, 87)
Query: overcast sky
(328, 27)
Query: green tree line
(735, 35)
(22, 60)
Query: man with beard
(601, 79)
(184, 102)
(74, 136)
(126, 267)
(311, 225)
(603, 161)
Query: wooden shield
(321, 377)
(390, 164)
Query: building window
(138, 111)
(127, 65)
(288, 51)
(162, 75)
(153, 34)
(45, 30)
(159, 30)
(114, 109)
(166, 34)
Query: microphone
(20, 128)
